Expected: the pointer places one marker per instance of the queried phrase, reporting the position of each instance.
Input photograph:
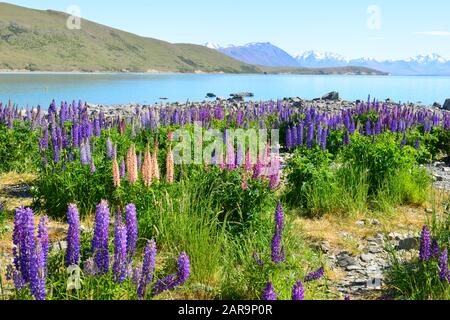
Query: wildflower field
(146, 215)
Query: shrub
(424, 279)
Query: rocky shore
(330, 102)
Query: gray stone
(360, 223)
(375, 250)
(353, 267)
(408, 244)
(446, 105)
(367, 257)
(331, 96)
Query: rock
(242, 95)
(374, 284)
(437, 105)
(408, 244)
(429, 210)
(325, 247)
(360, 223)
(353, 267)
(344, 260)
(375, 250)
(367, 257)
(297, 102)
(334, 96)
(446, 105)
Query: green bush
(416, 280)
(19, 148)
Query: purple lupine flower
(425, 245)
(347, 297)
(300, 134)
(269, 292)
(122, 168)
(240, 156)
(132, 232)
(316, 275)
(417, 144)
(298, 292)
(83, 154)
(38, 272)
(89, 267)
(26, 241)
(177, 279)
(100, 241)
(444, 273)
(93, 169)
(135, 275)
(434, 249)
(13, 275)
(73, 236)
(120, 251)
(277, 237)
(148, 267)
(310, 135)
(403, 143)
(109, 148)
(43, 239)
(258, 260)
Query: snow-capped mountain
(316, 59)
(265, 54)
(269, 55)
(431, 64)
(212, 45)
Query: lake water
(39, 89)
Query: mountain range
(268, 54)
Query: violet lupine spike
(120, 252)
(73, 236)
(132, 232)
(38, 272)
(258, 260)
(27, 242)
(298, 291)
(100, 241)
(434, 249)
(109, 149)
(122, 168)
(277, 255)
(316, 275)
(148, 267)
(177, 279)
(425, 245)
(43, 239)
(444, 273)
(269, 293)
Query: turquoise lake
(39, 89)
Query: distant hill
(40, 41)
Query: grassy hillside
(39, 40)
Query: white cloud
(434, 33)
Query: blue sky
(383, 29)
